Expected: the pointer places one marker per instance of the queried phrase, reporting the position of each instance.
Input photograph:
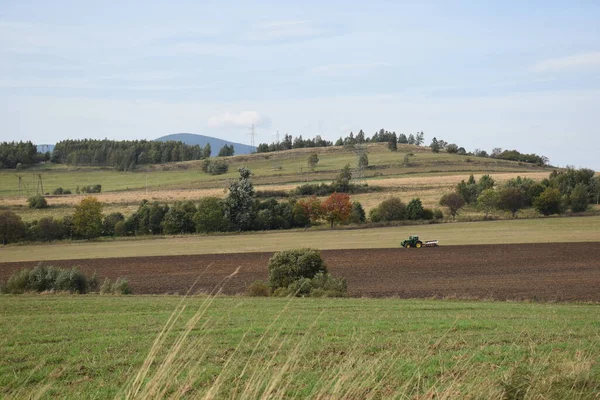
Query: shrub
(392, 209)
(91, 189)
(286, 267)
(549, 202)
(358, 215)
(321, 285)
(42, 279)
(49, 229)
(265, 194)
(58, 191)
(12, 228)
(38, 201)
(210, 216)
(427, 214)
(259, 289)
(109, 224)
(120, 286)
(215, 167)
(511, 199)
(438, 214)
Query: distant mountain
(44, 148)
(215, 143)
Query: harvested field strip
(569, 272)
(542, 230)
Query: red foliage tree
(337, 208)
(312, 208)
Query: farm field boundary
(540, 230)
(562, 272)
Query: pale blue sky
(481, 74)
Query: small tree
(88, 218)
(487, 201)
(393, 142)
(414, 209)
(435, 145)
(286, 267)
(239, 203)
(419, 138)
(110, 222)
(358, 215)
(226, 151)
(579, 198)
(452, 148)
(595, 189)
(549, 202)
(210, 215)
(363, 161)
(206, 151)
(312, 208)
(180, 218)
(392, 209)
(342, 182)
(12, 227)
(313, 159)
(454, 202)
(511, 199)
(337, 208)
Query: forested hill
(201, 140)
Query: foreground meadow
(154, 347)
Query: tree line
(125, 155)
(570, 189)
(20, 154)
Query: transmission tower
(22, 186)
(40, 185)
(252, 136)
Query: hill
(215, 143)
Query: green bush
(392, 209)
(549, 202)
(286, 267)
(259, 289)
(120, 286)
(38, 201)
(43, 279)
(215, 167)
(321, 285)
(438, 214)
(579, 198)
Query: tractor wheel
(407, 245)
(419, 244)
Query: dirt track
(528, 271)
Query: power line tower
(39, 189)
(252, 136)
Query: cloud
(576, 61)
(237, 120)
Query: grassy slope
(280, 167)
(93, 347)
(556, 230)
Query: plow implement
(413, 241)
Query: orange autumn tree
(337, 208)
(312, 208)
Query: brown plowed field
(528, 271)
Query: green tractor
(412, 241)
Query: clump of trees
(226, 151)
(51, 279)
(289, 142)
(124, 155)
(215, 167)
(569, 189)
(14, 155)
(394, 209)
(301, 273)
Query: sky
(482, 74)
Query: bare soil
(563, 272)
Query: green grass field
(540, 230)
(97, 347)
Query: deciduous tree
(337, 208)
(88, 218)
(453, 201)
